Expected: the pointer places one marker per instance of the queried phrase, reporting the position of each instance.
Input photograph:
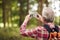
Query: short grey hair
(48, 14)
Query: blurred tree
(4, 13)
(0, 11)
(14, 13)
(0, 3)
(6, 6)
(27, 6)
(40, 7)
(23, 10)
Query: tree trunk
(11, 16)
(40, 7)
(6, 11)
(21, 13)
(27, 6)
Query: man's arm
(25, 32)
(36, 32)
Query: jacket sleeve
(26, 32)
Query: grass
(12, 33)
(9, 34)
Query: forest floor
(12, 33)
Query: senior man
(40, 32)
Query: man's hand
(39, 17)
(27, 18)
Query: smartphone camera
(33, 14)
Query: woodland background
(13, 12)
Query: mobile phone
(33, 14)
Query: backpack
(56, 30)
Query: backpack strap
(50, 30)
(47, 28)
(56, 28)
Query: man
(40, 33)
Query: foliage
(9, 34)
(12, 33)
